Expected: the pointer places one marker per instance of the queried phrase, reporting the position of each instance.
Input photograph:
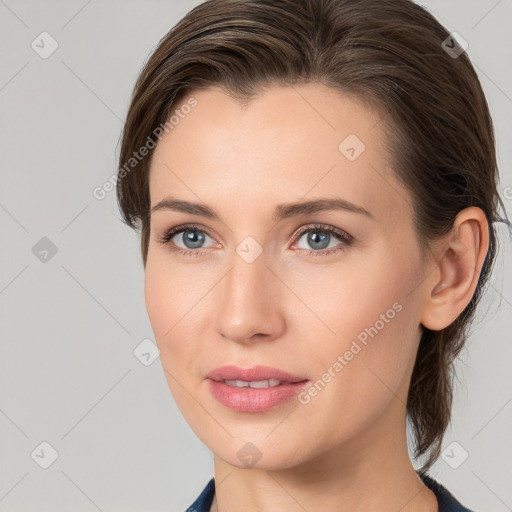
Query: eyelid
(339, 233)
(168, 234)
(345, 238)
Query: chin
(264, 454)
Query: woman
(316, 185)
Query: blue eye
(192, 239)
(320, 237)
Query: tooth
(270, 383)
(264, 383)
(237, 383)
(259, 384)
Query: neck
(370, 472)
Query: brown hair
(387, 53)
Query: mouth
(256, 389)
(256, 374)
(257, 384)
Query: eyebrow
(282, 211)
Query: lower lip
(254, 399)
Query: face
(331, 296)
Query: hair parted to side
(387, 53)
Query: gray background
(70, 324)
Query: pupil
(194, 238)
(314, 239)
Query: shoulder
(204, 500)
(447, 502)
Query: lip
(253, 399)
(251, 374)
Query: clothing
(447, 503)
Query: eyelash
(345, 238)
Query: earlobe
(457, 269)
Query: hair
(388, 54)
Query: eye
(190, 239)
(189, 235)
(320, 237)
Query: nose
(250, 300)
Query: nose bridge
(249, 303)
(248, 284)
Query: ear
(458, 263)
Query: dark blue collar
(447, 503)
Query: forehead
(287, 143)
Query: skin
(345, 449)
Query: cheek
(352, 296)
(374, 321)
(371, 360)
(178, 298)
(158, 297)
(172, 292)
(168, 308)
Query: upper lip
(255, 373)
